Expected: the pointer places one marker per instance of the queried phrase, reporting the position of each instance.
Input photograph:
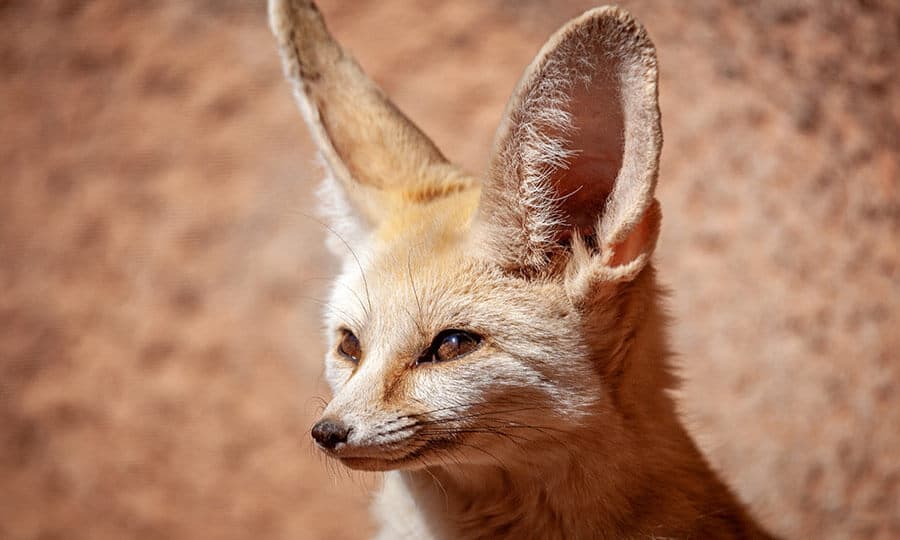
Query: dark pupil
(453, 345)
(350, 347)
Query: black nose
(329, 433)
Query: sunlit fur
(560, 424)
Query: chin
(380, 465)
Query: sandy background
(159, 332)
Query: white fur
(559, 423)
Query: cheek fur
(500, 383)
(337, 373)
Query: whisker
(344, 285)
(516, 425)
(475, 415)
(483, 451)
(343, 240)
(412, 283)
(543, 431)
(331, 307)
(517, 439)
(507, 401)
(439, 484)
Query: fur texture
(560, 423)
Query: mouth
(386, 460)
(373, 460)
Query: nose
(328, 433)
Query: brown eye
(449, 345)
(349, 347)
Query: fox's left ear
(577, 153)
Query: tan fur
(560, 424)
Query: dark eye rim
(429, 355)
(345, 333)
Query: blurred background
(160, 343)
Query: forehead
(422, 274)
(417, 258)
(415, 282)
(411, 292)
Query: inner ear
(577, 151)
(596, 145)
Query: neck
(632, 473)
(633, 485)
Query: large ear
(576, 155)
(380, 159)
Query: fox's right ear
(576, 155)
(380, 162)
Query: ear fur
(378, 160)
(577, 153)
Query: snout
(372, 446)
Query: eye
(450, 345)
(349, 347)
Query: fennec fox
(498, 344)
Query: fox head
(483, 319)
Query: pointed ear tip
(281, 18)
(287, 15)
(280, 13)
(624, 27)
